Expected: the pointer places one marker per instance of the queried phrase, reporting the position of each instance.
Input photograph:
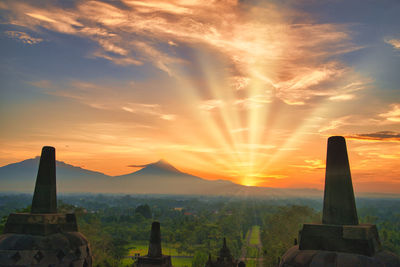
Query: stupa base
(360, 239)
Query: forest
(258, 231)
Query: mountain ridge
(160, 164)
(154, 178)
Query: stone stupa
(224, 259)
(154, 256)
(44, 237)
(340, 240)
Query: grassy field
(138, 247)
(251, 263)
(254, 238)
(176, 262)
(181, 262)
(252, 252)
(168, 249)
(251, 248)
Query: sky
(247, 91)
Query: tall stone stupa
(339, 240)
(44, 237)
(154, 256)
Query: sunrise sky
(242, 90)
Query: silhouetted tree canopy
(144, 210)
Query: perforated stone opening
(39, 256)
(16, 257)
(60, 255)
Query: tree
(199, 259)
(144, 210)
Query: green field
(138, 247)
(141, 248)
(181, 262)
(251, 263)
(254, 238)
(252, 252)
(126, 262)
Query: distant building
(224, 259)
(154, 256)
(340, 240)
(44, 237)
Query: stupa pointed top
(45, 195)
(339, 203)
(224, 252)
(155, 241)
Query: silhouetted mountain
(155, 178)
(159, 167)
(21, 177)
(163, 178)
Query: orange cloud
(24, 37)
(384, 136)
(393, 115)
(312, 164)
(394, 42)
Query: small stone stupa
(340, 240)
(224, 259)
(154, 256)
(44, 237)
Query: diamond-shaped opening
(39, 256)
(85, 264)
(78, 252)
(60, 255)
(16, 257)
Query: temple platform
(40, 224)
(360, 239)
(146, 261)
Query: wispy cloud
(390, 117)
(393, 115)
(239, 82)
(268, 176)
(334, 124)
(312, 164)
(211, 104)
(394, 42)
(104, 97)
(253, 102)
(298, 89)
(384, 136)
(343, 97)
(23, 37)
(150, 109)
(240, 130)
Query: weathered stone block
(361, 239)
(40, 224)
(146, 261)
